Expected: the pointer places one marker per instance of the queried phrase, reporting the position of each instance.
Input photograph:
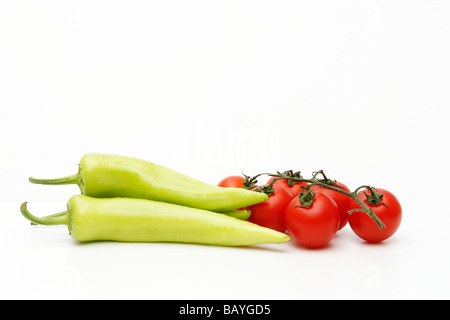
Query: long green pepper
(140, 220)
(107, 176)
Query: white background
(359, 89)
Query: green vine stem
(328, 184)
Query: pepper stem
(51, 216)
(72, 179)
(59, 218)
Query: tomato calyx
(374, 197)
(250, 182)
(267, 189)
(288, 174)
(325, 180)
(306, 197)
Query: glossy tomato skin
(313, 226)
(365, 227)
(341, 200)
(232, 182)
(294, 189)
(270, 213)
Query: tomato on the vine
(385, 205)
(270, 213)
(232, 182)
(341, 200)
(315, 225)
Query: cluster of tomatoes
(314, 225)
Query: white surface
(359, 89)
(46, 263)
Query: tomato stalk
(306, 197)
(374, 198)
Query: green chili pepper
(107, 176)
(140, 220)
(238, 214)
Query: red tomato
(294, 189)
(313, 226)
(341, 200)
(232, 182)
(365, 227)
(270, 213)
